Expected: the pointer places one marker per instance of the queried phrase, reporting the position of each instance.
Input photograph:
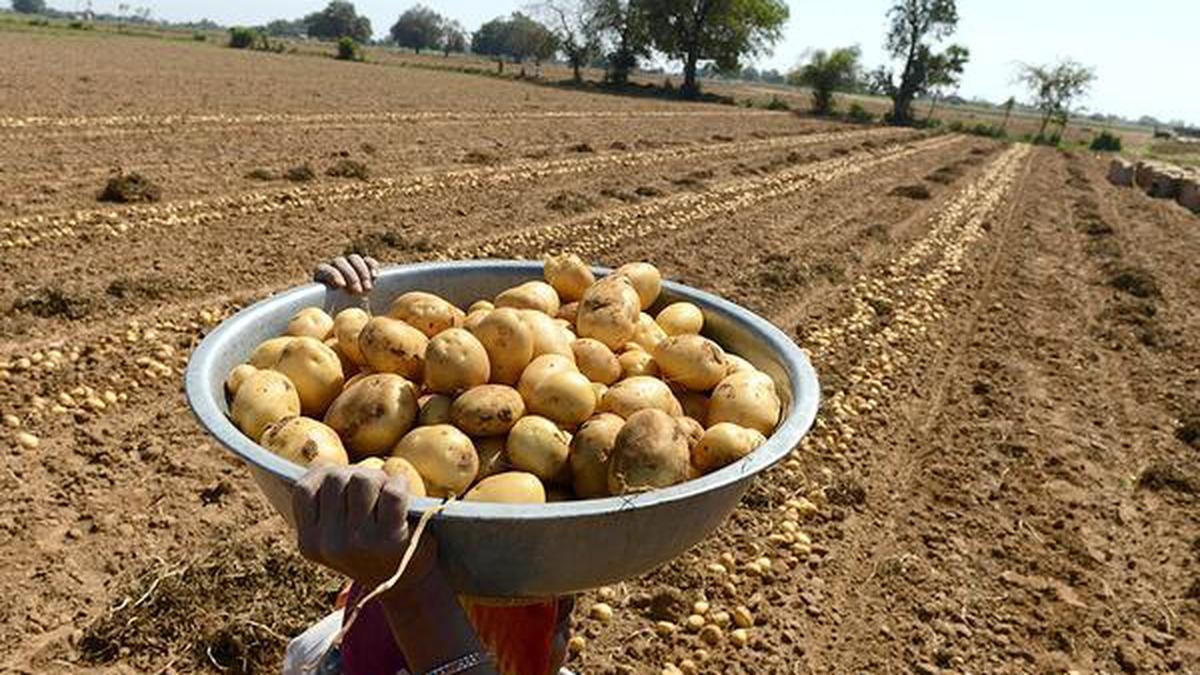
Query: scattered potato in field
(397, 466)
(539, 446)
(305, 441)
(374, 414)
(426, 312)
(565, 397)
(455, 361)
(681, 318)
(591, 448)
(609, 311)
(264, 398)
(535, 295)
(724, 444)
(434, 409)
(639, 393)
(311, 322)
(314, 369)
(487, 410)
(595, 360)
(747, 399)
(512, 487)
(569, 276)
(637, 363)
(649, 452)
(347, 326)
(693, 361)
(443, 455)
(391, 346)
(646, 278)
(509, 342)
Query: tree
(1008, 108)
(622, 25)
(454, 38)
(574, 25)
(29, 6)
(286, 28)
(338, 19)
(419, 28)
(944, 71)
(529, 39)
(827, 72)
(723, 31)
(492, 39)
(1054, 88)
(915, 25)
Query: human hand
(353, 273)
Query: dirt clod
(125, 188)
(262, 174)
(1166, 475)
(1189, 430)
(571, 202)
(914, 191)
(1135, 281)
(300, 174)
(349, 168)
(48, 303)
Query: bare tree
(1054, 88)
(575, 26)
(916, 25)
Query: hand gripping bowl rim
(804, 394)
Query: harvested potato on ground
(310, 322)
(509, 342)
(565, 397)
(609, 311)
(595, 360)
(316, 371)
(491, 455)
(639, 393)
(512, 487)
(268, 352)
(478, 305)
(695, 404)
(747, 399)
(455, 361)
(548, 336)
(538, 370)
(568, 312)
(264, 398)
(692, 428)
(648, 334)
(736, 364)
(535, 295)
(569, 276)
(637, 363)
(692, 361)
(646, 278)
(396, 466)
(443, 455)
(237, 376)
(681, 318)
(650, 451)
(487, 410)
(539, 446)
(374, 414)
(347, 326)
(306, 442)
(391, 346)
(434, 409)
(426, 312)
(591, 447)
(724, 444)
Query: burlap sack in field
(1120, 172)
(1189, 193)
(1144, 174)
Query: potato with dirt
(693, 361)
(305, 441)
(650, 452)
(267, 352)
(263, 398)
(648, 334)
(434, 409)
(565, 397)
(396, 466)
(316, 371)
(646, 278)
(347, 326)
(374, 414)
(681, 318)
(548, 336)
(426, 312)
(639, 393)
(455, 361)
(310, 322)
(511, 487)
(391, 346)
(236, 377)
(538, 370)
(536, 295)
(637, 362)
(569, 276)
(723, 444)
(509, 342)
(539, 446)
(748, 399)
(491, 455)
(487, 410)
(609, 312)
(591, 447)
(596, 361)
(443, 456)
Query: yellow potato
(646, 278)
(491, 455)
(609, 311)
(487, 410)
(444, 457)
(648, 334)
(599, 390)
(395, 466)
(548, 337)
(736, 364)
(536, 295)
(474, 318)
(639, 393)
(538, 370)
(568, 312)
(480, 305)
(591, 447)
(693, 361)
(539, 446)
(434, 409)
(349, 367)
(595, 360)
(513, 487)
(565, 397)
(681, 318)
(569, 276)
(426, 312)
(455, 361)
(724, 444)
(637, 363)
(695, 404)
(392, 346)
(314, 369)
(267, 353)
(747, 399)
(310, 322)
(509, 342)
(373, 463)
(692, 429)
(347, 326)
(357, 377)
(305, 441)
(237, 376)
(374, 414)
(650, 452)
(264, 398)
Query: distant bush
(956, 126)
(199, 37)
(1052, 139)
(857, 113)
(348, 50)
(241, 37)
(1106, 142)
(777, 103)
(987, 130)
(79, 25)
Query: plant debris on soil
(1169, 475)
(349, 168)
(132, 187)
(1135, 281)
(571, 202)
(914, 191)
(49, 303)
(300, 174)
(262, 174)
(480, 157)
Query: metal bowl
(527, 551)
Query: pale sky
(1144, 52)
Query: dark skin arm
(352, 273)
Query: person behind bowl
(353, 520)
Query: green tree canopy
(517, 37)
(915, 26)
(1055, 87)
(338, 19)
(286, 28)
(29, 6)
(827, 72)
(454, 38)
(419, 28)
(575, 27)
(624, 34)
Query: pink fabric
(369, 649)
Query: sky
(1144, 52)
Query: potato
(536, 295)
(565, 397)
(444, 457)
(267, 353)
(310, 322)
(357, 377)
(639, 393)
(538, 370)
(347, 326)
(374, 414)
(681, 318)
(724, 444)
(509, 342)
(491, 455)
(426, 312)
(236, 377)
(595, 360)
(512, 487)
(314, 369)
(305, 441)
(264, 398)
(568, 312)
(647, 333)
(609, 311)
(455, 361)
(472, 321)
(646, 278)
(349, 367)
(736, 364)
(637, 363)
(480, 305)
(692, 429)
(569, 275)
(599, 390)
(373, 463)
(434, 409)
(548, 337)
(395, 466)
(539, 446)
(695, 404)
(747, 399)
(649, 452)
(591, 447)
(391, 346)
(487, 410)
(692, 361)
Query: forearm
(430, 626)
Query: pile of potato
(556, 389)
